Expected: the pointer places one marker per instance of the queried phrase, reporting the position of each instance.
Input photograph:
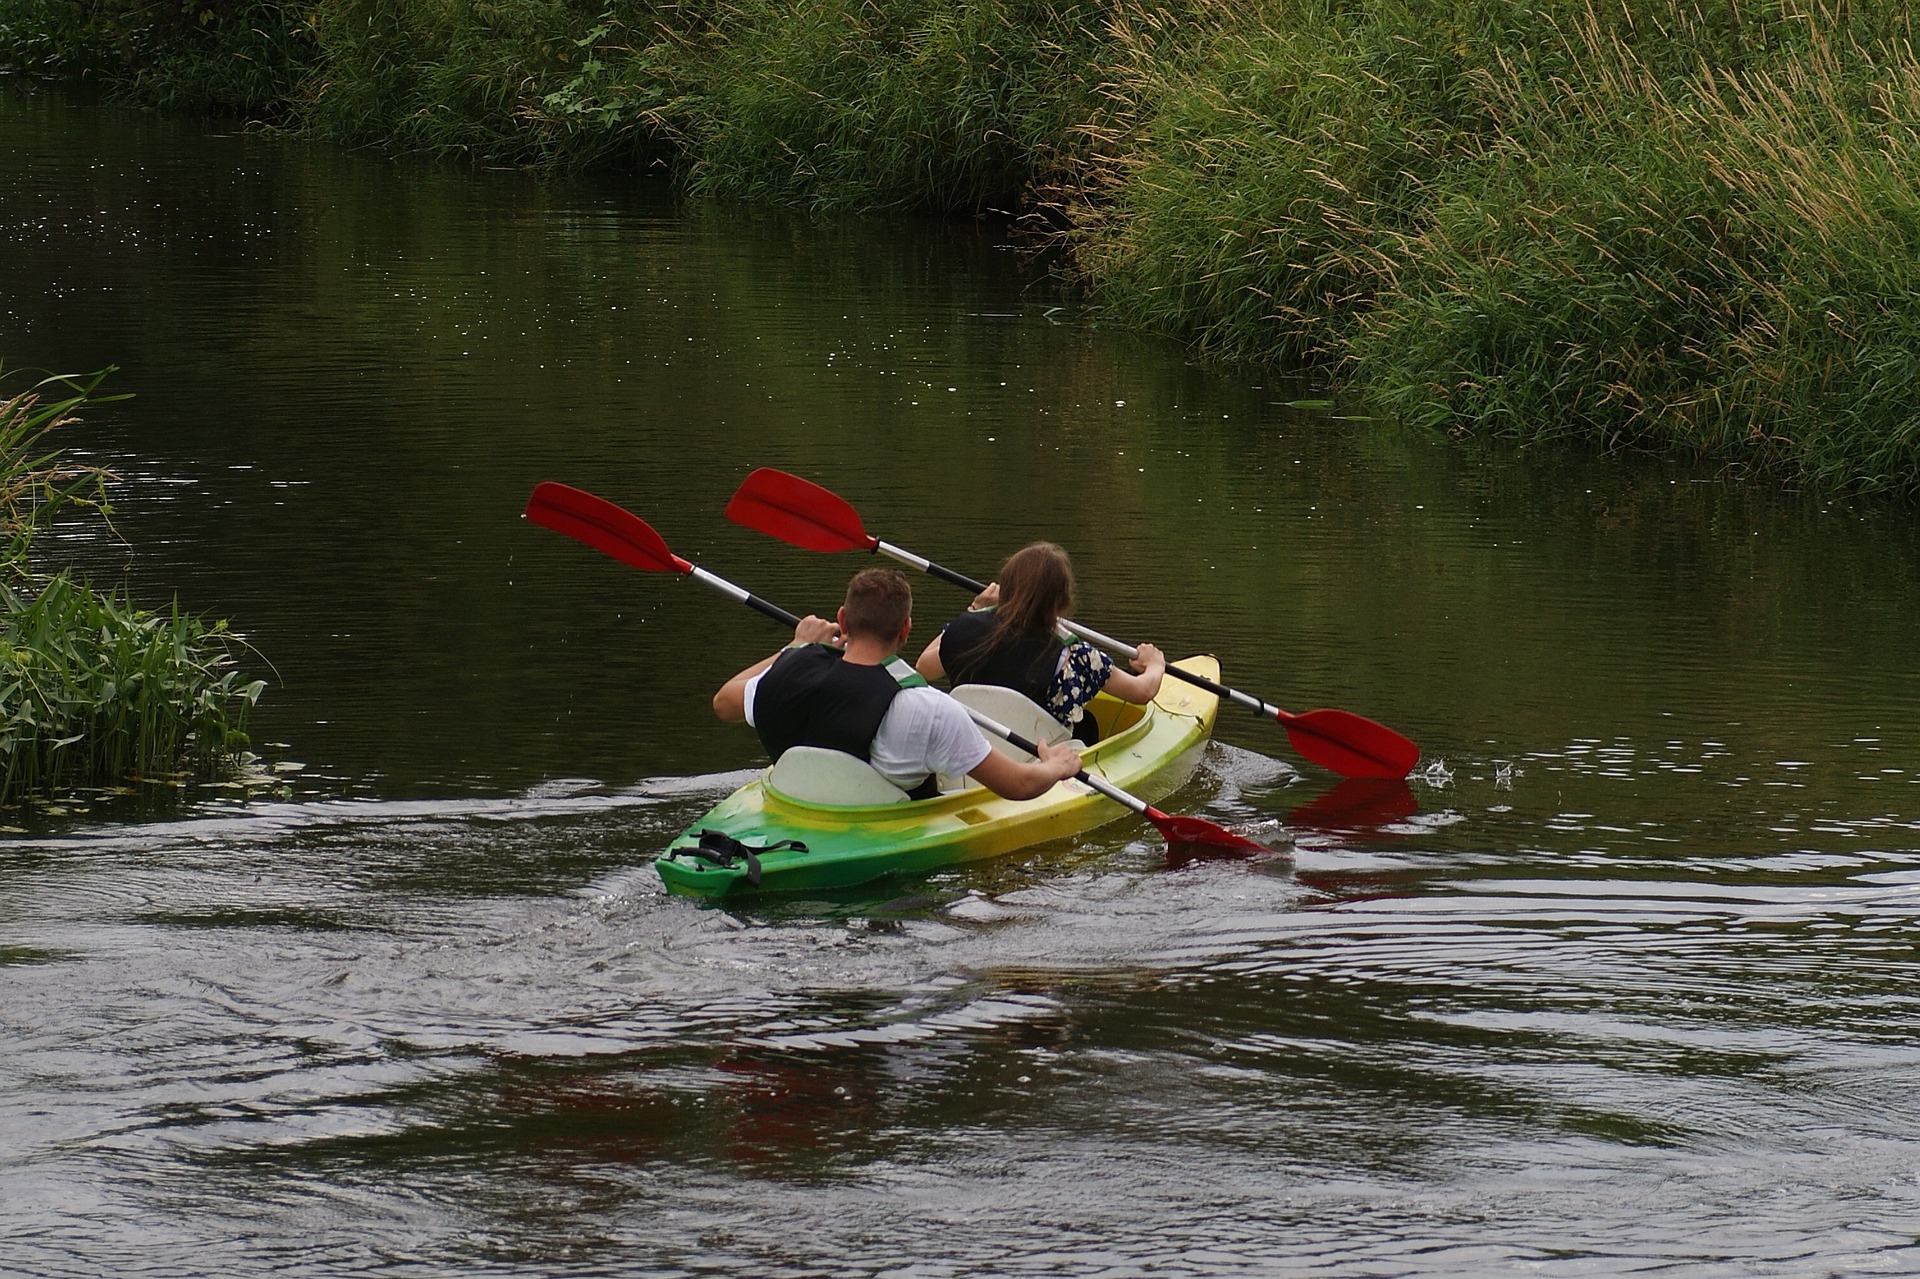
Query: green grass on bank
(93, 691)
(1676, 224)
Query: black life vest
(810, 696)
(972, 655)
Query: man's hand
(1003, 776)
(816, 630)
(1062, 759)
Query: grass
(905, 105)
(94, 691)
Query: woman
(1007, 637)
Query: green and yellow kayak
(799, 846)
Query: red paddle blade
(603, 526)
(1201, 832)
(1351, 745)
(799, 512)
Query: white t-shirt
(924, 731)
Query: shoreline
(1693, 232)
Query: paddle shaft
(1100, 784)
(1087, 633)
(628, 538)
(986, 724)
(740, 593)
(804, 514)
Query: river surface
(1627, 980)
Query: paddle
(625, 536)
(802, 513)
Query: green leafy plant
(95, 691)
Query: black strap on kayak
(723, 850)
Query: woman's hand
(1148, 659)
(985, 599)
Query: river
(1625, 981)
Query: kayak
(760, 839)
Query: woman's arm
(1141, 684)
(929, 665)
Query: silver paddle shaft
(1077, 630)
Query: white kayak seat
(1016, 711)
(816, 775)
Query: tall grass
(1726, 261)
(93, 690)
(1686, 225)
(1258, 170)
(948, 105)
(525, 81)
(226, 55)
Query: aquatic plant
(36, 481)
(1679, 226)
(1736, 274)
(92, 689)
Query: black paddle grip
(772, 610)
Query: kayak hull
(1149, 752)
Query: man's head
(879, 606)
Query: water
(1625, 980)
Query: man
(839, 685)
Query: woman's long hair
(1036, 591)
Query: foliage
(227, 55)
(1723, 260)
(1671, 225)
(527, 81)
(926, 104)
(35, 482)
(93, 690)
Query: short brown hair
(878, 603)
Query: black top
(810, 696)
(1024, 663)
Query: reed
(1736, 274)
(94, 691)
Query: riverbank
(1688, 228)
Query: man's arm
(730, 703)
(1012, 779)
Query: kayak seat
(815, 775)
(1016, 711)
